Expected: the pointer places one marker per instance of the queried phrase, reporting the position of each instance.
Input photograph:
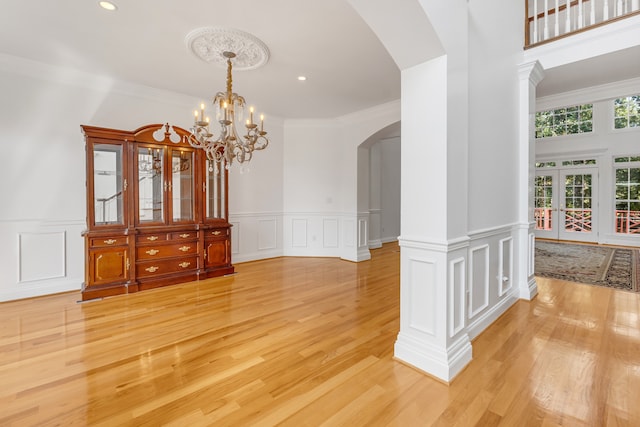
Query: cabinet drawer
(165, 251)
(151, 238)
(159, 267)
(218, 233)
(96, 242)
(184, 235)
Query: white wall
(322, 215)
(495, 40)
(43, 208)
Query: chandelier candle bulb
(251, 115)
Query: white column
(433, 242)
(530, 75)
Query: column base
(442, 363)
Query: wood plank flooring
(309, 342)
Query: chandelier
(228, 144)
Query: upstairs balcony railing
(549, 20)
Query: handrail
(577, 16)
(553, 10)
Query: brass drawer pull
(184, 236)
(184, 264)
(152, 269)
(110, 241)
(152, 251)
(152, 238)
(184, 248)
(216, 233)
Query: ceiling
(346, 66)
(143, 41)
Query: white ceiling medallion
(209, 43)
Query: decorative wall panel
(422, 279)
(478, 280)
(299, 233)
(457, 295)
(41, 256)
(330, 233)
(267, 234)
(505, 265)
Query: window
(578, 162)
(564, 121)
(546, 165)
(627, 212)
(626, 112)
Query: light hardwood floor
(308, 342)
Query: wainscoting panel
(422, 279)
(532, 249)
(491, 259)
(363, 235)
(330, 233)
(268, 234)
(478, 280)
(256, 236)
(41, 256)
(505, 265)
(457, 295)
(299, 233)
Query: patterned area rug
(595, 265)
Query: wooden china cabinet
(157, 211)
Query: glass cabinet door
(216, 191)
(108, 197)
(151, 184)
(182, 183)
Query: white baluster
(635, 5)
(619, 8)
(557, 23)
(546, 19)
(580, 17)
(592, 15)
(567, 25)
(535, 21)
(605, 11)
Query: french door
(566, 205)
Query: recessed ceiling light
(302, 78)
(107, 5)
